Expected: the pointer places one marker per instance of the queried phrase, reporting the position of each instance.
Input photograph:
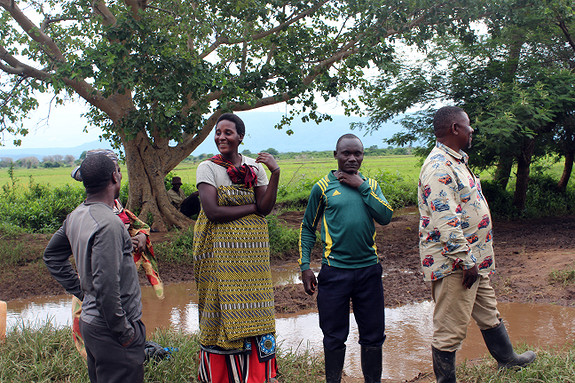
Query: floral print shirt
(455, 230)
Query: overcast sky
(64, 127)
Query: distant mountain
(40, 153)
(260, 135)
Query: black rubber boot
(500, 347)
(334, 365)
(371, 361)
(443, 365)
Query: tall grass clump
(48, 355)
(399, 191)
(42, 355)
(564, 277)
(38, 208)
(178, 249)
(283, 240)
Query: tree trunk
(523, 165)
(567, 169)
(503, 171)
(147, 170)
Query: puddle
(409, 328)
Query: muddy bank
(526, 253)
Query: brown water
(409, 328)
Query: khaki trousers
(455, 305)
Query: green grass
(564, 277)
(293, 171)
(178, 250)
(555, 366)
(48, 355)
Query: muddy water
(409, 328)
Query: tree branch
(11, 92)
(101, 9)
(47, 21)
(32, 30)
(565, 30)
(224, 40)
(162, 10)
(136, 6)
(19, 68)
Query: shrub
(500, 201)
(543, 199)
(38, 208)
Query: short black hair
(444, 117)
(97, 171)
(346, 136)
(240, 126)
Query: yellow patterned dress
(235, 292)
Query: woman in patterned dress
(231, 261)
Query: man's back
(102, 250)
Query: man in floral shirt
(456, 249)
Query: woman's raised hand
(268, 160)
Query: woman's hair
(97, 171)
(240, 126)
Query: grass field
(397, 176)
(293, 171)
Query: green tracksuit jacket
(347, 218)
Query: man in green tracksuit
(347, 204)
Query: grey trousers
(108, 360)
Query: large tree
(514, 76)
(157, 74)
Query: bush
(38, 208)
(500, 201)
(543, 199)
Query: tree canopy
(158, 74)
(514, 75)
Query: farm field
(292, 170)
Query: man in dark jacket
(106, 279)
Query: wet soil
(527, 253)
